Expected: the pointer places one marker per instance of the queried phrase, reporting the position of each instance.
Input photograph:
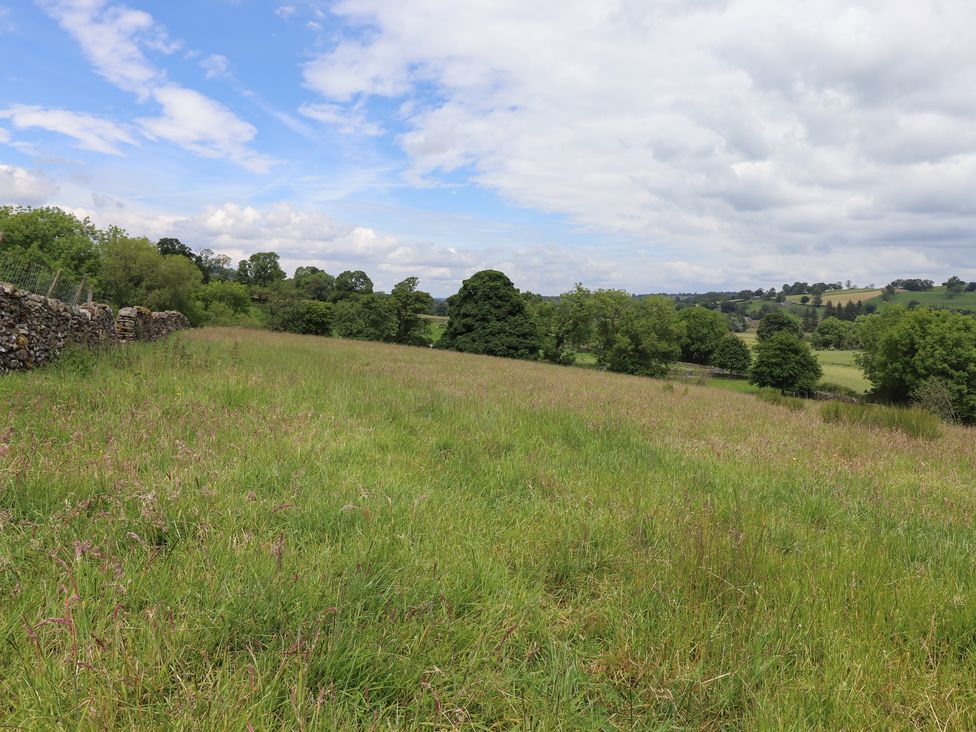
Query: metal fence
(44, 281)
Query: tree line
(908, 354)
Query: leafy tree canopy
(52, 238)
(903, 349)
(409, 304)
(733, 355)
(783, 361)
(777, 321)
(261, 269)
(489, 316)
(704, 330)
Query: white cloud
(713, 132)
(347, 121)
(21, 186)
(6, 25)
(285, 11)
(215, 66)
(203, 126)
(112, 37)
(91, 132)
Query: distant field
(247, 530)
(936, 297)
(438, 324)
(842, 297)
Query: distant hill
(937, 297)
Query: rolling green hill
(240, 529)
(936, 297)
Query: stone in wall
(34, 329)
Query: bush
(308, 317)
(935, 395)
(794, 404)
(912, 421)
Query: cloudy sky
(654, 145)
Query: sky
(649, 145)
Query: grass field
(438, 324)
(936, 297)
(239, 529)
(842, 297)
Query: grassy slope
(936, 297)
(842, 297)
(295, 530)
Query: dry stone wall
(34, 329)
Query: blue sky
(658, 145)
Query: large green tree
(704, 330)
(785, 362)
(51, 238)
(133, 272)
(834, 333)
(368, 317)
(635, 335)
(261, 269)
(352, 283)
(488, 315)
(903, 350)
(314, 283)
(733, 355)
(409, 304)
(777, 321)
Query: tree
(231, 294)
(314, 283)
(817, 299)
(809, 320)
(733, 355)
(368, 317)
(261, 269)
(52, 238)
(409, 304)
(903, 349)
(833, 333)
(169, 245)
(488, 316)
(351, 283)
(777, 321)
(704, 330)
(954, 286)
(783, 361)
(307, 317)
(133, 272)
(804, 299)
(635, 335)
(214, 266)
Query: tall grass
(771, 396)
(239, 529)
(912, 421)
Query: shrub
(912, 421)
(794, 404)
(935, 395)
(309, 317)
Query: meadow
(937, 297)
(238, 529)
(842, 297)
